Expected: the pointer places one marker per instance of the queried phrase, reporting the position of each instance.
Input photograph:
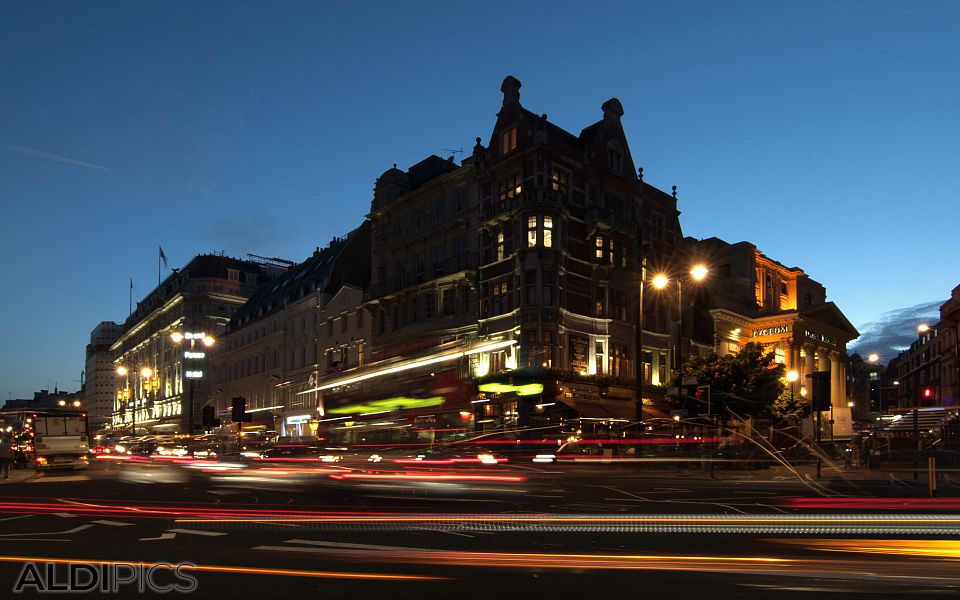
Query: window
(547, 288)
(233, 275)
(509, 189)
(329, 327)
(658, 226)
(501, 302)
(508, 140)
(430, 305)
(531, 231)
(547, 231)
(779, 355)
(499, 246)
(599, 245)
(600, 301)
(438, 210)
(401, 274)
(359, 318)
(560, 180)
(531, 287)
(413, 309)
(439, 263)
(598, 357)
(418, 261)
(662, 369)
(615, 161)
(449, 302)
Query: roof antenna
(452, 151)
(674, 192)
(640, 174)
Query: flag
(163, 256)
(131, 284)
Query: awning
(603, 410)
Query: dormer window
(615, 161)
(508, 141)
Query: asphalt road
(252, 538)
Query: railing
(423, 273)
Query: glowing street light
(923, 328)
(121, 371)
(874, 357)
(177, 337)
(146, 371)
(660, 281)
(76, 404)
(792, 376)
(698, 272)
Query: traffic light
(238, 410)
(820, 390)
(927, 393)
(210, 417)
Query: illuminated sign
(298, 419)
(387, 405)
(193, 374)
(819, 337)
(194, 354)
(530, 389)
(194, 336)
(777, 330)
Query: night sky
(823, 132)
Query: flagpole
(130, 301)
(159, 254)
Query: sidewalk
(20, 476)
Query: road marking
(17, 517)
(172, 533)
(355, 546)
(74, 530)
(114, 523)
(65, 515)
(63, 479)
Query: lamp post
(697, 273)
(146, 373)
(124, 395)
(194, 338)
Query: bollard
(932, 476)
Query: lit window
(560, 181)
(508, 140)
(499, 245)
(531, 231)
(610, 254)
(547, 232)
(599, 246)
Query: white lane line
(17, 517)
(114, 523)
(197, 532)
(356, 546)
(65, 515)
(62, 479)
(74, 530)
(172, 533)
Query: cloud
(895, 330)
(49, 156)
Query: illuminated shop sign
(819, 337)
(193, 374)
(771, 331)
(529, 389)
(297, 419)
(387, 405)
(194, 354)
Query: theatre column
(837, 396)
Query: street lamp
(207, 341)
(923, 328)
(697, 273)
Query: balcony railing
(423, 273)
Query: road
(559, 533)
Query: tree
(748, 382)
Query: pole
(932, 476)
(190, 416)
(816, 437)
(677, 358)
(638, 359)
(916, 437)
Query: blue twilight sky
(824, 132)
